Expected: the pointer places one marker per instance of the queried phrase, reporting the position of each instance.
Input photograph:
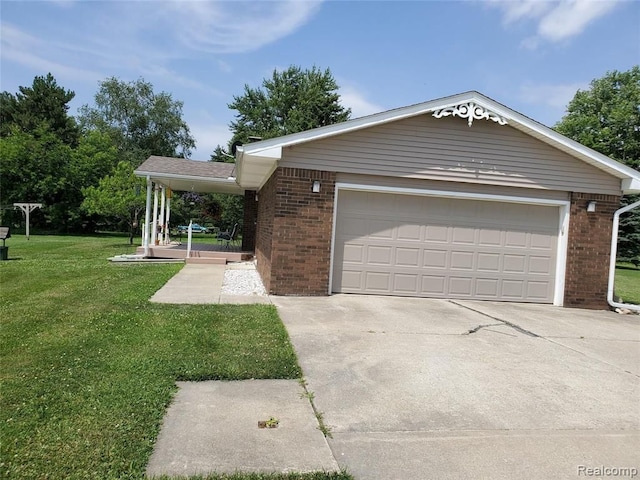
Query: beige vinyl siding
(447, 149)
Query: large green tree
(140, 121)
(42, 107)
(290, 101)
(44, 158)
(606, 117)
(118, 197)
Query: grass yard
(627, 283)
(88, 365)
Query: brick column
(301, 237)
(250, 218)
(588, 251)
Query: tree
(44, 104)
(290, 101)
(118, 196)
(606, 117)
(140, 122)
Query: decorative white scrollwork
(471, 111)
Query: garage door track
(420, 388)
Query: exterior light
(591, 206)
(316, 186)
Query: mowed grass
(88, 365)
(627, 283)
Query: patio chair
(229, 237)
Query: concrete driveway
(421, 389)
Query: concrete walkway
(200, 284)
(213, 427)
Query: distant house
(459, 197)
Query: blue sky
(531, 55)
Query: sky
(530, 55)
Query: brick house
(459, 197)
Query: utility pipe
(612, 261)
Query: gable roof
(181, 174)
(257, 161)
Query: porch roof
(181, 174)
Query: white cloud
(234, 27)
(556, 20)
(554, 96)
(351, 98)
(30, 51)
(570, 18)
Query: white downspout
(612, 262)
(147, 216)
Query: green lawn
(88, 365)
(627, 283)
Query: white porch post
(189, 234)
(167, 237)
(147, 216)
(154, 228)
(163, 200)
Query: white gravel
(242, 279)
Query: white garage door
(443, 247)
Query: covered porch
(164, 175)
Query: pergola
(166, 174)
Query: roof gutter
(612, 262)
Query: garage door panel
(379, 255)
(353, 253)
(436, 233)
(487, 288)
(540, 265)
(433, 285)
(435, 258)
(406, 283)
(491, 238)
(407, 257)
(515, 239)
(461, 286)
(434, 247)
(488, 262)
(542, 241)
(539, 290)
(464, 235)
(377, 282)
(408, 232)
(514, 263)
(513, 289)
(462, 261)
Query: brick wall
(294, 238)
(264, 229)
(589, 247)
(249, 220)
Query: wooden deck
(200, 252)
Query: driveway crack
(517, 328)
